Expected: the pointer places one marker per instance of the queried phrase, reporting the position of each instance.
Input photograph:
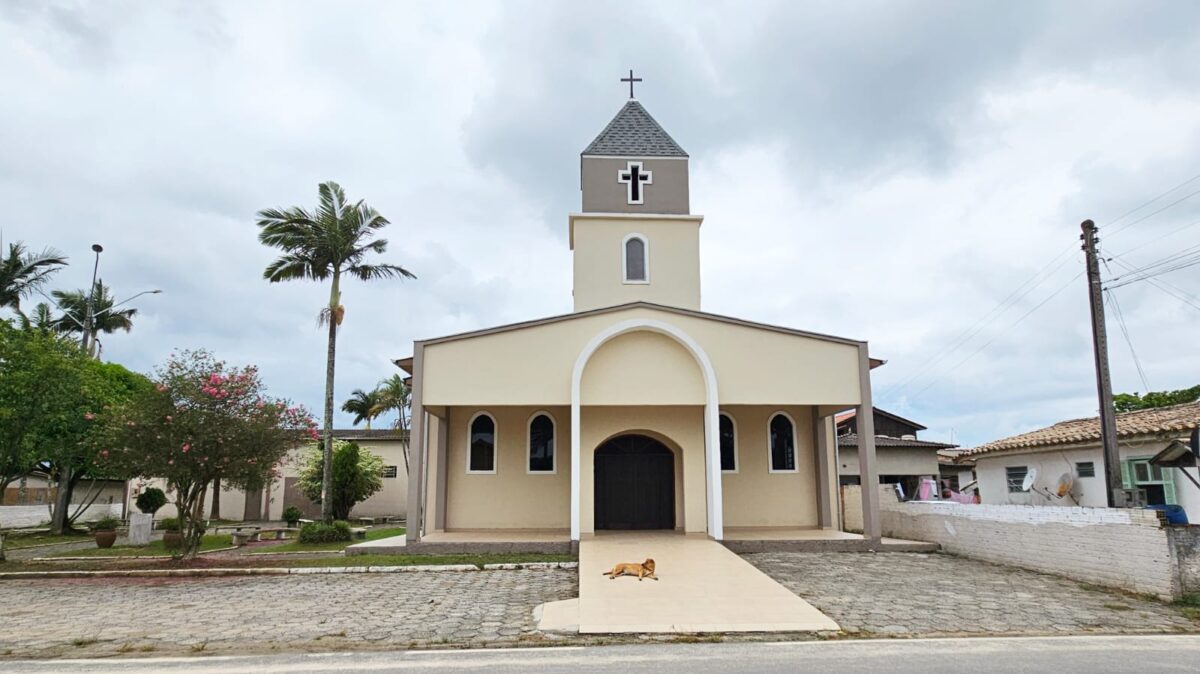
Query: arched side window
(635, 260)
(541, 444)
(727, 430)
(481, 444)
(781, 434)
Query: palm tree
(42, 319)
(22, 272)
(363, 405)
(105, 318)
(324, 245)
(394, 395)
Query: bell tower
(635, 238)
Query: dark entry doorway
(635, 484)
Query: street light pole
(88, 318)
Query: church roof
(634, 133)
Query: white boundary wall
(23, 517)
(1128, 549)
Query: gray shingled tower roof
(634, 133)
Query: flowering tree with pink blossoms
(204, 420)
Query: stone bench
(359, 533)
(280, 532)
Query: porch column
(868, 475)
(416, 452)
(441, 471)
(824, 454)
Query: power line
(1130, 212)
(1160, 238)
(1125, 332)
(1022, 291)
(1172, 290)
(974, 329)
(1014, 324)
(1164, 266)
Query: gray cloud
(887, 171)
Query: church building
(638, 410)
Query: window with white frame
(782, 439)
(481, 449)
(728, 433)
(636, 260)
(541, 444)
(1014, 476)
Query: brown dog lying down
(643, 570)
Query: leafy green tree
(1129, 402)
(357, 474)
(23, 272)
(105, 318)
(364, 405)
(51, 395)
(203, 420)
(324, 245)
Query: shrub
(357, 474)
(150, 500)
(319, 532)
(106, 524)
(168, 524)
(292, 514)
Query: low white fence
(24, 517)
(1124, 548)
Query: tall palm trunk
(327, 449)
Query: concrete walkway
(702, 587)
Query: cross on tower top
(631, 79)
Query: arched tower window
(636, 260)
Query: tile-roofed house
(634, 133)
(1072, 449)
(1159, 420)
(902, 458)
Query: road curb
(279, 571)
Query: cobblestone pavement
(88, 617)
(895, 593)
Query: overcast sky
(882, 171)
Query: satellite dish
(1065, 482)
(1030, 477)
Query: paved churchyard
(900, 594)
(138, 616)
(884, 594)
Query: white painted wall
(21, 517)
(1123, 548)
(1087, 491)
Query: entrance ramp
(702, 587)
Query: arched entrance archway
(634, 484)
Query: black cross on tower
(633, 177)
(631, 79)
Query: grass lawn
(373, 534)
(31, 540)
(416, 560)
(154, 549)
(250, 561)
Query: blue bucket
(1173, 513)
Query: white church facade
(637, 410)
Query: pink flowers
(89, 416)
(186, 447)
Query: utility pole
(1108, 420)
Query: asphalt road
(1058, 655)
